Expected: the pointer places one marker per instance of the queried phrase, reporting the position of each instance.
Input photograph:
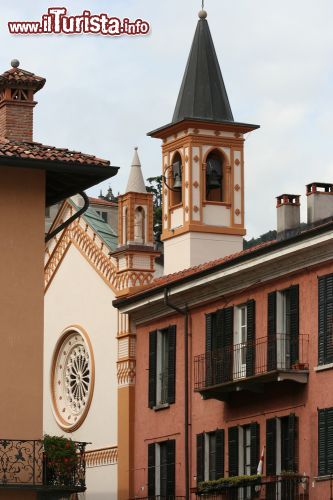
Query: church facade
(86, 266)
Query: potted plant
(60, 460)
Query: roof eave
(173, 127)
(63, 179)
(276, 245)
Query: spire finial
(203, 12)
(15, 63)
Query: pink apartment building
(234, 355)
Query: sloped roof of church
(101, 228)
(203, 94)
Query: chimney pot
(288, 215)
(319, 201)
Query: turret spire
(136, 182)
(202, 94)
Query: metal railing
(24, 463)
(267, 488)
(251, 358)
(162, 387)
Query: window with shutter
(162, 367)
(233, 450)
(325, 441)
(161, 469)
(283, 328)
(271, 333)
(210, 455)
(271, 447)
(251, 338)
(151, 469)
(325, 319)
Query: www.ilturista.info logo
(56, 21)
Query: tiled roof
(17, 77)
(192, 271)
(37, 151)
(99, 201)
(102, 228)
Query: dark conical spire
(202, 94)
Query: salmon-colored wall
(126, 417)
(278, 399)
(22, 208)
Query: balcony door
(240, 342)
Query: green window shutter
(233, 450)
(329, 440)
(171, 468)
(271, 332)
(251, 338)
(209, 332)
(152, 369)
(271, 447)
(227, 343)
(219, 453)
(325, 319)
(255, 443)
(171, 364)
(200, 457)
(321, 320)
(292, 450)
(151, 469)
(294, 323)
(322, 462)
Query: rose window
(72, 380)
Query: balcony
(250, 365)
(288, 487)
(25, 466)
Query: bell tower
(135, 255)
(202, 165)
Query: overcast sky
(104, 94)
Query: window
(175, 180)
(162, 367)
(244, 340)
(161, 468)
(243, 443)
(230, 343)
(283, 329)
(281, 444)
(214, 176)
(325, 441)
(104, 216)
(210, 455)
(325, 320)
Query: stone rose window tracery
(72, 379)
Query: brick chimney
(288, 215)
(17, 89)
(320, 201)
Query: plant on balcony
(60, 459)
(227, 482)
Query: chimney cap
(288, 199)
(20, 78)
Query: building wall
(277, 399)
(21, 305)
(77, 295)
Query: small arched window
(139, 225)
(214, 176)
(176, 180)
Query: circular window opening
(72, 379)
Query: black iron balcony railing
(24, 464)
(289, 487)
(251, 359)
